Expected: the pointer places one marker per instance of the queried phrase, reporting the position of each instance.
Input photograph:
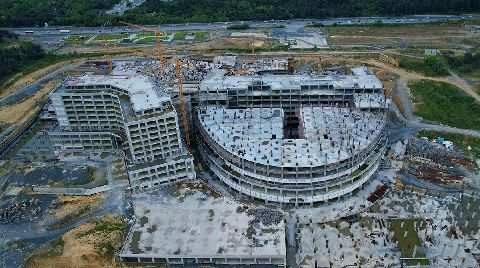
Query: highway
(288, 24)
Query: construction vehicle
(182, 101)
(389, 59)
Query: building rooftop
(370, 100)
(326, 134)
(143, 92)
(210, 227)
(361, 78)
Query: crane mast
(107, 56)
(158, 35)
(182, 102)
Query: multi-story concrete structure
(212, 233)
(105, 113)
(292, 139)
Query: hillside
(16, 55)
(16, 13)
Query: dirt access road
(407, 77)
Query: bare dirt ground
(429, 35)
(71, 204)
(19, 112)
(88, 245)
(30, 78)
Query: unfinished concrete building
(214, 233)
(292, 139)
(105, 113)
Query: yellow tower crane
(253, 50)
(182, 100)
(108, 60)
(158, 35)
(319, 63)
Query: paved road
(401, 89)
(448, 129)
(35, 86)
(461, 83)
(289, 24)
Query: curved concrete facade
(299, 185)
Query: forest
(16, 13)
(14, 55)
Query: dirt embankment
(93, 244)
(70, 204)
(27, 79)
(19, 112)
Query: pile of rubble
(191, 70)
(20, 211)
(434, 173)
(265, 216)
(425, 149)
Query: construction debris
(434, 163)
(20, 211)
(265, 216)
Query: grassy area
(460, 141)
(200, 35)
(446, 104)
(104, 227)
(56, 246)
(180, 35)
(150, 39)
(71, 217)
(112, 36)
(467, 71)
(146, 40)
(467, 65)
(75, 39)
(430, 66)
(407, 244)
(473, 42)
(145, 34)
(242, 26)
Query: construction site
(321, 138)
(256, 158)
